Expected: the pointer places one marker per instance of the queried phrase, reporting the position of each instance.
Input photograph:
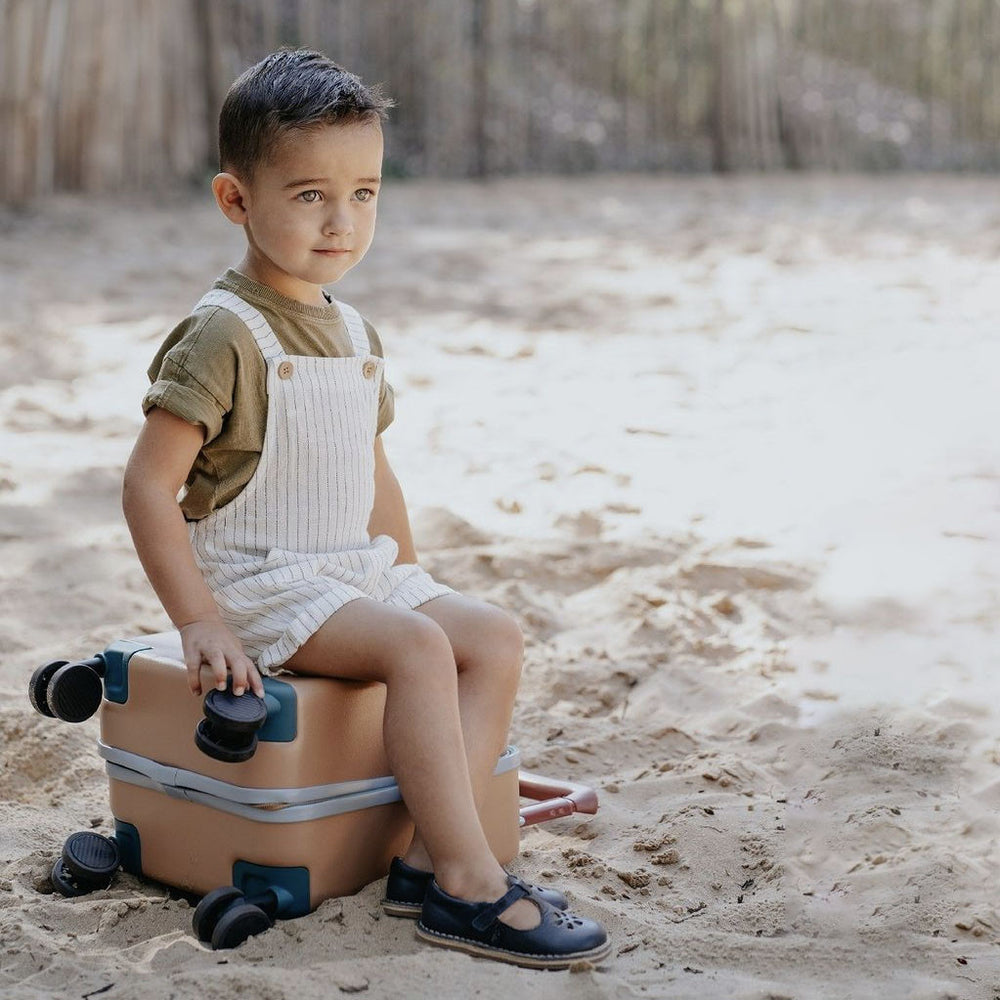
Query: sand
(728, 451)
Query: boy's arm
(389, 515)
(159, 465)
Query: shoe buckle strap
(487, 917)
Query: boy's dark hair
(289, 89)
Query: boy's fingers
(256, 682)
(245, 675)
(194, 673)
(238, 667)
(217, 663)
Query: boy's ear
(230, 194)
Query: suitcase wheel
(70, 691)
(229, 730)
(88, 862)
(225, 918)
(75, 691)
(65, 882)
(38, 687)
(211, 908)
(91, 857)
(239, 922)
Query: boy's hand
(209, 642)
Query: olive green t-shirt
(210, 371)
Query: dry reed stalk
(114, 94)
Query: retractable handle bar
(553, 799)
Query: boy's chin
(331, 273)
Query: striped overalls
(293, 547)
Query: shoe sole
(552, 962)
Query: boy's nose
(338, 223)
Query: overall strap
(356, 328)
(255, 322)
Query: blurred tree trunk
(480, 87)
(719, 114)
(105, 95)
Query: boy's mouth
(332, 251)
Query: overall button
(285, 369)
(368, 368)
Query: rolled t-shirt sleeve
(177, 391)
(194, 372)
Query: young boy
(291, 545)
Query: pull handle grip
(553, 798)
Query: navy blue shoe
(406, 888)
(561, 939)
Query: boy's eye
(309, 197)
(364, 194)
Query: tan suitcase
(313, 813)
(315, 806)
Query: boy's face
(310, 210)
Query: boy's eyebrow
(326, 180)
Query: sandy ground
(726, 448)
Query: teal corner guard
(282, 723)
(129, 847)
(290, 886)
(116, 658)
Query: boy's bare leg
(412, 656)
(488, 648)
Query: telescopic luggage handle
(553, 798)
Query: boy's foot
(560, 939)
(407, 886)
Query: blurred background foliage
(105, 95)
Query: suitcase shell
(315, 811)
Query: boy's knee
(421, 646)
(502, 638)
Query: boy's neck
(280, 281)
